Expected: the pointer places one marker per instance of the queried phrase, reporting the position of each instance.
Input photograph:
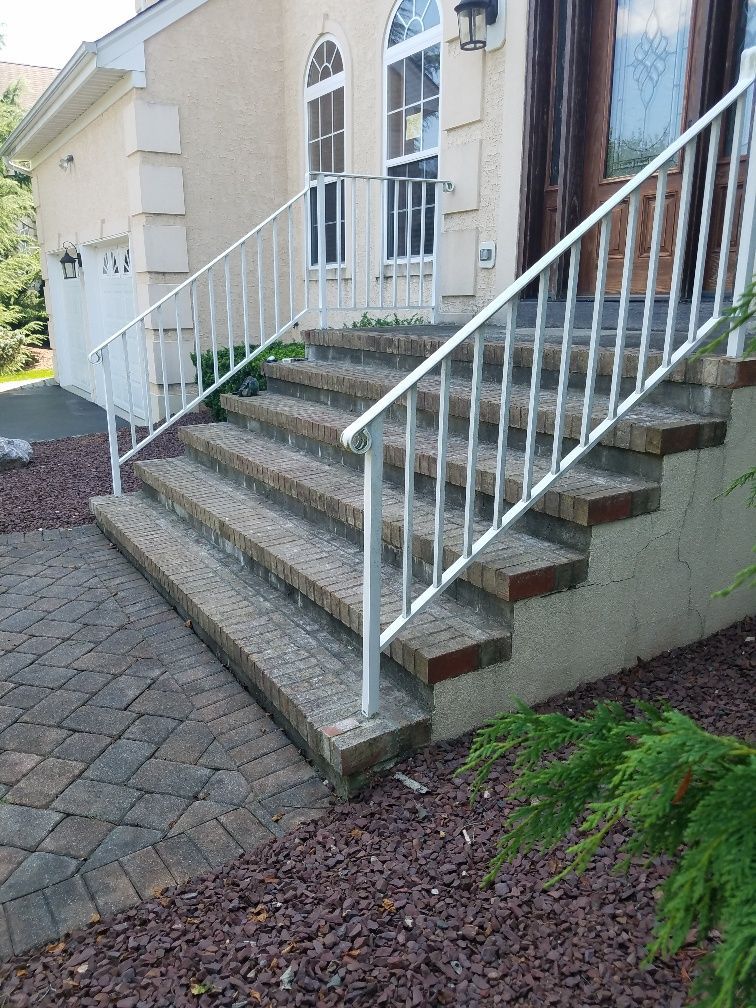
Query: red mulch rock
(54, 490)
(380, 903)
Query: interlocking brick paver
(76, 836)
(170, 778)
(156, 811)
(71, 904)
(45, 782)
(120, 761)
(111, 889)
(37, 871)
(103, 752)
(97, 800)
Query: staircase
(255, 533)
(411, 527)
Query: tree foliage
(22, 308)
(681, 791)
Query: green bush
(678, 790)
(376, 322)
(16, 352)
(255, 368)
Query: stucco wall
(649, 587)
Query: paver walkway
(130, 758)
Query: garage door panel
(118, 309)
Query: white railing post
(436, 280)
(321, 233)
(747, 245)
(371, 585)
(115, 465)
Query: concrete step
(309, 679)
(649, 429)
(584, 496)
(516, 567)
(444, 641)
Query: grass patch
(27, 375)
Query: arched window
(324, 98)
(413, 84)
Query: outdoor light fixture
(474, 18)
(69, 262)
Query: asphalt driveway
(49, 412)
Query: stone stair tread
(518, 565)
(713, 370)
(585, 495)
(446, 639)
(308, 675)
(648, 427)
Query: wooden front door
(639, 89)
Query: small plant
(16, 350)
(254, 368)
(376, 322)
(682, 791)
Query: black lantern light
(70, 262)
(474, 18)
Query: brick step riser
(537, 522)
(621, 460)
(345, 787)
(336, 624)
(700, 399)
(492, 603)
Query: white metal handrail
(373, 221)
(365, 435)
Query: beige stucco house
(162, 143)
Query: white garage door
(71, 339)
(117, 310)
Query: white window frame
(312, 92)
(392, 54)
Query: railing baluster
(339, 250)
(197, 342)
(395, 219)
(408, 238)
(423, 207)
(322, 252)
(383, 257)
(368, 239)
(229, 312)
(371, 583)
(436, 275)
(506, 396)
(245, 296)
(163, 370)
(276, 306)
(653, 270)
(443, 426)
(129, 393)
(564, 365)
(535, 383)
(144, 369)
(729, 208)
(595, 344)
(624, 304)
(306, 239)
(260, 287)
(409, 500)
(115, 464)
(679, 258)
(472, 442)
(213, 333)
(704, 226)
(179, 351)
(290, 257)
(353, 194)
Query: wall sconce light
(70, 261)
(474, 18)
(65, 162)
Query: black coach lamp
(474, 18)
(69, 262)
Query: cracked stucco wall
(649, 586)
